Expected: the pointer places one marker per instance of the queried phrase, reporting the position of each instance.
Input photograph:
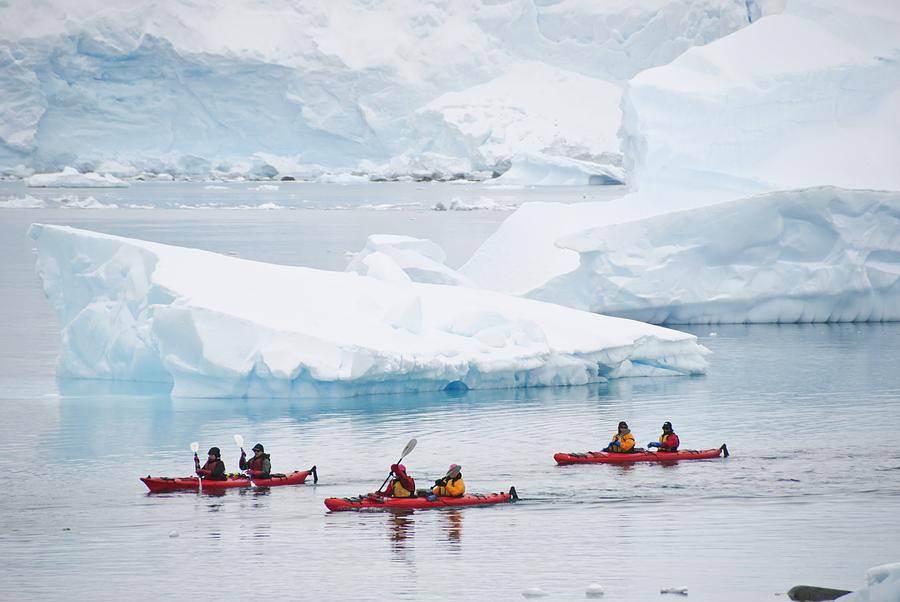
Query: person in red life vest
(401, 485)
(668, 441)
(622, 442)
(214, 469)
(259, 466)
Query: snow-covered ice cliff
(217, 326)
(816, 255)
(274, 86)
(809, 97)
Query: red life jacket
(213, 470)
(669, 442)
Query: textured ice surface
(882, 585)
(71, 178)
(404, 259)
(806, 98)
(815, 255)
(193, 88)
(217, 326)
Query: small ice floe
(681, 591)
(173, 534)
(265, 188)
(714, 334)
(534, 592)
(594, 590)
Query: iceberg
(882, 585)
(218, 326)
(194, 88)
(805, 98)
(815, 255)
(404, 259)
(70, 177)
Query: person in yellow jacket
(451, 485)
(622, 442)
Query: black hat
(667, 426)
(259, 447)
(623, 423)
(214, 451)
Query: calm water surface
(810, 494)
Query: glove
(243, 453)
(432, 498)
(654, 444)
(441, 483)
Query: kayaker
(668, 441)
(450, 485)
(259, 466)
(401, 484)
(214, 469)
(622, 442)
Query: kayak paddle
(240, 443)
(195, 447)
(409, 447)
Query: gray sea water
(810, 413)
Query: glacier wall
(805, 98)
(815, 255)
(191, 88)
(217, 326)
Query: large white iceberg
(806, 98)
(193, 88)
(818, 255)
(217, 326)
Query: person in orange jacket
(622, 442)
(668, 441)
(450, 485)
(401, 484)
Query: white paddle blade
(409, 447)
(195, 447)
(239, 440)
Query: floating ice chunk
(217, 326)
(458, 204)
(533, 592)
(814, 255)
(594, 590)
(882, 585)
(26, 202)
(265, 188)
(74, 202)
(71, 178)
(681, 591)
(215, 187)
(419, 259)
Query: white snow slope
(882, 585)
(809, 97)
(217, 326)
(190, 88)
(815, 255)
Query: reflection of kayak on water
(377, 502)
(297, 477)
(592, 457)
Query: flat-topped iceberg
(814, 255)
(818, 255)
(72, 178)
(218, 326)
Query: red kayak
(297, 477)
(639, 456)
(376, 502)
